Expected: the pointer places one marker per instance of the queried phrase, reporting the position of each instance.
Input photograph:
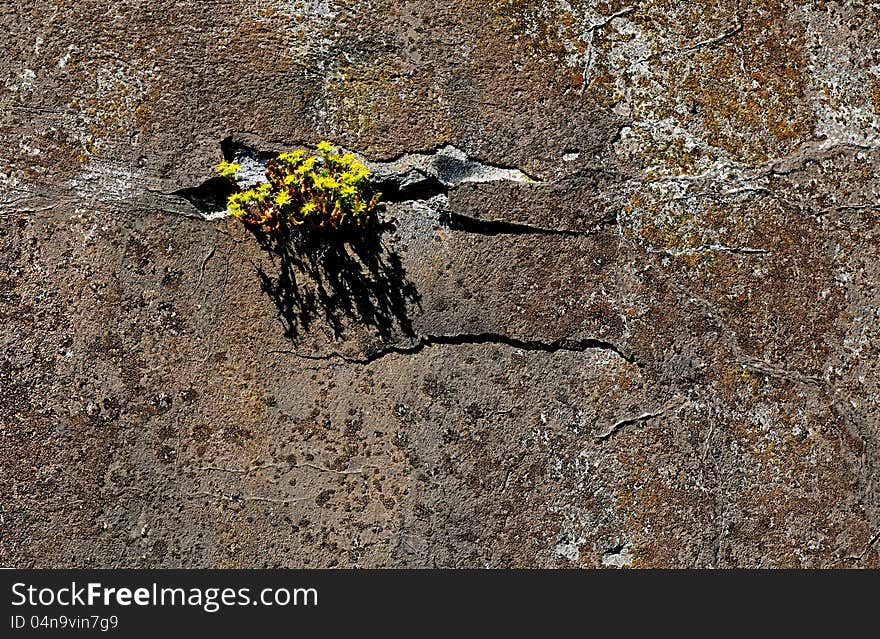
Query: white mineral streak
(450, 165)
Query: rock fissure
(554, 346)
(466, 223)
(415, 176)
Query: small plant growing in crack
(307, 192)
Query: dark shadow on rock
(338, 277)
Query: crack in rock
(468, 224)
(408, 177)
(554, 346)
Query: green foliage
(328, 190)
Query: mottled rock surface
(633, 322)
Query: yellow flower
(283, 198)
(330, 190)
(234, 204)
(227, 169)
(292, 157)
(262, 192)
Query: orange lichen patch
(739, 385)
(145, 111)
(711, 83)
(539, 38)
(744, 95)
(602, 310)
(875, 92)
(747, 101)
(686, 226)
(689, 22)
(674, 155)
(116, 107)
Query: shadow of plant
(340, 277)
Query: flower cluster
(327, 190)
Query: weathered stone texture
(660, 348)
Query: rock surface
(645, 334)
